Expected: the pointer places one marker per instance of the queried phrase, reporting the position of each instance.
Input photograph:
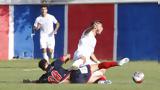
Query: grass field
(13, 72)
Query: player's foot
(66, 58)
(104, 82)
(123, 61)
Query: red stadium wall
(4, 29)
(80, 17)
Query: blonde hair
(92, 26)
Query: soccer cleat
(123, 61)
(104, 82)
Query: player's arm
(30, 81)
(42, 79)
(37, 24)
(94, 58)
(60, 61)
(57, 27)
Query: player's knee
(76, 64)
(44, 50)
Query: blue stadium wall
(139, 31)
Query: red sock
(103, 78)
(106, 65)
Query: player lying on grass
(55, 73)
(84, 73)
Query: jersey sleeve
(38, 20)
(43, 79)
(54, 19)
(57, 63)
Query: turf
(13, 72)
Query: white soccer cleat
(123, 61)
(104, 82)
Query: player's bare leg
(106, 65)
(76, 64)
(95, 76)
(51, 52)
(45, 56)
(103, 79)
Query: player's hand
(55, 32)
(38, 26)
(26, 81)
(51, 34)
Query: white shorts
(47, 41)
(77, 55)
(89, 62)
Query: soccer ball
(138, 77)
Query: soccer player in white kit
(84, 55)
(85, 51)
(45, 23)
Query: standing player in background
(84, 54)
(45, 23)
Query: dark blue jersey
(82, 75)
(55, 73)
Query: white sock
(45, 56)
(52, 55)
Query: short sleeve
(54, 19)
(43, 79)
(36, 22)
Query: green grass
(13, 72)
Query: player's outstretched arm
(94, 58)
(29, 81)
(57, 27)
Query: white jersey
(46, 22)
(47, 26)
(86, 46)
